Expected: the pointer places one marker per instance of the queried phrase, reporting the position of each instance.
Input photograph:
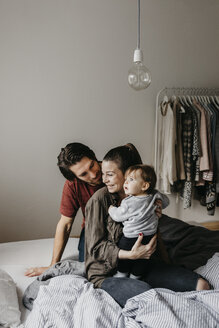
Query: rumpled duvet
(67, 267)
(71, 301)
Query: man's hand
(33, 272)
(158, 209)
(140, 251)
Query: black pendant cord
(138, 45)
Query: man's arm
(63, 230)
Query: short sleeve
(69, 202)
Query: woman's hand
(33, 272)
(158, 209)
(140, 251)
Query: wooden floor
(213, 225)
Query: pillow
(9, 307)
(210, 271)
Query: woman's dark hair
(72, 154)
(124, 156)
(147, 173)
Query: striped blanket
(71, 301)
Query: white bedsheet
(16, 257)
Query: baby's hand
(111, 206)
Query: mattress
(16, 257)
(90, 304)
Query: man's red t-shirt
(75, 195)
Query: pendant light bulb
(139, 77)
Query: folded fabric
(9, 307)
(187, 245)
(210, 271)
(66, 267)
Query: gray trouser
(121, 289)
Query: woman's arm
(100, 252)
(139, 251)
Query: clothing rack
(177, 91)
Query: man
(79, 166)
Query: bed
(16, 257)
(71, 301)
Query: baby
(137, 213)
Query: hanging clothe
(188, 149)
(167, 147)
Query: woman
(102, 235)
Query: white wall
(63, 78)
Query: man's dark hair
(72, 154)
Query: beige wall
(63, 78)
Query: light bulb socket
(138, 56)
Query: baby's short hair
(147, 173)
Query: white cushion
(9, 308)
